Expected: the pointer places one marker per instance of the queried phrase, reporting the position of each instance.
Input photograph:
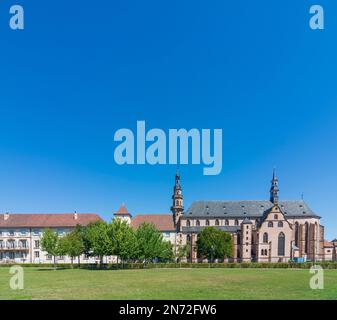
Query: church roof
(241, 209)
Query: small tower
(123, 214)
(274, 190)
(246, 240)
(178, 200)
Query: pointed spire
(274, 190)
(122, 211)
(177, 185)
(178, 199)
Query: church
(262, 231)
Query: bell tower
(178, 200)
(274, 190)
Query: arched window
(265, 252)
(236, 222)
(270, 224)
(217, 222)
(198, 223)
(275, 216)
(188, 223)
(262, 252)
(207, 223)
(297, 234)
(306, 233)
(265, 237)
(280, 224)
(226, 222)
(281, 244)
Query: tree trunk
(54, 262)
(79, 261)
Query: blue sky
(80, 71)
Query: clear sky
(81, 70)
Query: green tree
(96, 240)
(123, 240)
(166, 251)
(182, 252)
(150, 243)
(213, 244)
(72, 245)
(49, 243)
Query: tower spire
(274, 190)
(178, 199)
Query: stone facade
(262, 231)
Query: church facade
(262, 231)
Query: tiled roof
(328, 244)
(15, 220)
(163, 222)
(122, 211)
(296, 208)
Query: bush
(137, 265)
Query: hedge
(253, 265)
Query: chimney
(75, 215)
(6, 216)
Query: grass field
(168, 284)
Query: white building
(20, 235)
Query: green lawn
(168, 284)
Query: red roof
(163, 222)
(328, 244)
(122, 211)
(47, 220)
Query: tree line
(145, 244)
(99, 239)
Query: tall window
(281, 244)
(306, 233)
(188, 223)
(36, 244)
(226, 222)
(280, 224)
(270, 224)
(217, 222)
(198, 223)
(297, 234)
(207, 223)
(265, 237)
(236, 222)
